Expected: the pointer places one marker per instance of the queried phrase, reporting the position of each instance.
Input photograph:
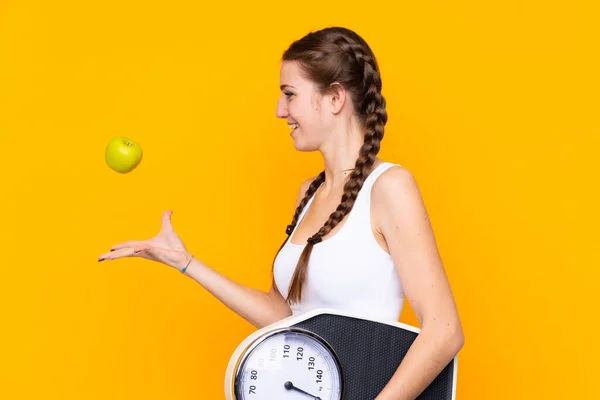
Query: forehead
(290, 74)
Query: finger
(113, 255)
(166, 221)
(137, 251)
(141, 250)
(129, 243)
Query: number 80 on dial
(288, 363)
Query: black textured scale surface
(370, 352)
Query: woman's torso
(348, 271)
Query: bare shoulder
(306, 184)
(303, 188)
(395, 179)
(395, 193)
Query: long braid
(290, 228)
(375, 118)
(309, 192)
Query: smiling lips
(293, 126)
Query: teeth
(293, 126)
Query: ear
(337, 97)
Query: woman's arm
(402, 219)
(255, 306)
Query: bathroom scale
(326, 354)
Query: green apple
(123, 154)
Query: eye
(288, 94)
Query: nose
(281, 111)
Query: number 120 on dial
(289, 364)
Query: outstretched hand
(166, 247)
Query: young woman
(360, 238)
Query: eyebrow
(284, 86)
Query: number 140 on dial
(289, 363)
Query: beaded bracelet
(185, 268)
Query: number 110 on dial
(289, 363)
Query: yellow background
(493, 106)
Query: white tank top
(348, 271)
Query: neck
(339, 156)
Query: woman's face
(302, 106)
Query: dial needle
(290, 386)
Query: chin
(301, 144)
(303, 147)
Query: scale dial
(289, 364)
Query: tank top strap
(361, 208)
(360, 216)
(376, 173)
(302, 213)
